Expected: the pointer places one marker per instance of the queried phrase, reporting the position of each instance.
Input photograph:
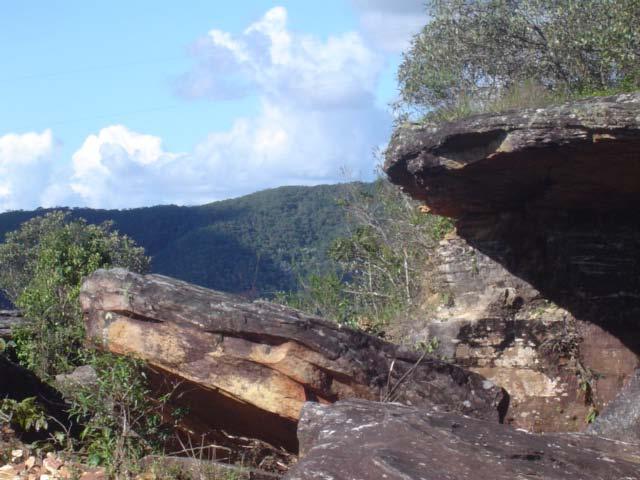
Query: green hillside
(256, 244)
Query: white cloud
(25, 166)
(278, 147)
(268, 60)
(390, 24)
(317, 114)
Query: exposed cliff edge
(581, 155)
(544, 271)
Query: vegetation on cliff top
(475, 56)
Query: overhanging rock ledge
(544, 266)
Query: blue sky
(125, 104)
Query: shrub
(121, 421)
(26, 414)
(379, 267)
(43, 263)
(472, 52)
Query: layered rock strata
(541, 278)
(249, 367)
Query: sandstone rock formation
(362, 440)
(541, 276)
(250, 366)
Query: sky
(124, 104)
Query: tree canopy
(43, 263)
(478, 49)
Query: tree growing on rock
(473, 51)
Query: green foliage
(44, 262)
(322, 295)
(26, 414)
(429, 346)
(121, 421)
(46, 259)
(591, 415)
(256, 244)
(487, 55)
(379, 266)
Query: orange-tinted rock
(252, 365)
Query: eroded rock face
(543, 272)
(361, 440)
(494, 323)
(252, 365)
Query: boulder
(250, 366)
(541, 273)
(81, 377)
(361, 440)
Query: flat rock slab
(575, 155)
(259, 362)
(362, 440)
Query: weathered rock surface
(494, 323)
(84, 376)
(361, 440)
(8, 320)
(542, 273)
(576, 155)
(621, 419)
(252, 365)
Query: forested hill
(256, 244)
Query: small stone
(52, 464)
(64, 473)
(16, 454)
(93, 475)
(7, 472)
(31, 461)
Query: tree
(380, 265)
(475, 50)
(42, 266)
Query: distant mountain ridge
(256, 244)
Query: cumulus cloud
(268, 60)
(390, 24)
(316, 115)
(25, 166)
